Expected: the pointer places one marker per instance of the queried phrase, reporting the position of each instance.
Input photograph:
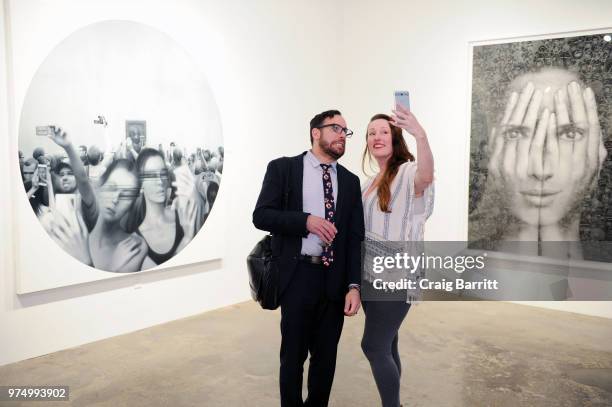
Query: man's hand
(352, 301)
(322, 228)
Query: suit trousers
(309, 323)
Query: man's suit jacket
(288, 226)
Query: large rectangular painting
(540, 147)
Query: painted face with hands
(547, 150)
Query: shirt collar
(314, 161)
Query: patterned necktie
(330, 212)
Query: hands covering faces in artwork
(546, 153)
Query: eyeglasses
(336, 128)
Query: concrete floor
(454, 354)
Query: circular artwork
(120, 146)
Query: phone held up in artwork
(44, 131)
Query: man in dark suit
(312, 206)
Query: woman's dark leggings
(379, 343)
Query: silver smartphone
(402, 97)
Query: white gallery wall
(271, 65)
(268, 78)
(423, 47)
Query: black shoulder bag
(263, 267)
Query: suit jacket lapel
(297, 173)
(341, 191)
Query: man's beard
(327, 149)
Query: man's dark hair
(38, 152)
(61, 166)
(318, 120)
(94, 155)
(30, 162)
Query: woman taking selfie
(396, 203)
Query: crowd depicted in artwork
(121, 209)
